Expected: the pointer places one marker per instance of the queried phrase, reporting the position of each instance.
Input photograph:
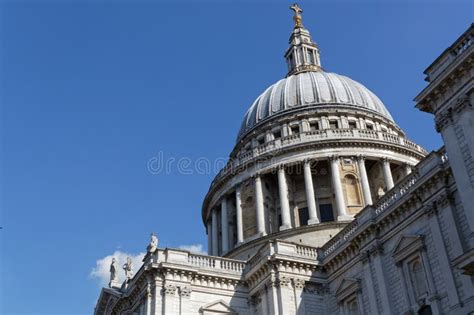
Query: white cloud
(194, 248)
(101, 271)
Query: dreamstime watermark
(161, 164)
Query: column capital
(361, 157)
(281, 167)
(307, 161)
(385, 159)
(334, 157)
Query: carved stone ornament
(169, 289)
(185, 291)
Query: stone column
(170, 299)
(260, 211)
(285, 303)
(298, 292)
(209, 237)
(224, 226)
(442, 256)
(284, 203)
(272, 292)
(387, 173)
(364, 180)
(381, 279)
(337, 188)
(185, 299)
(215, 242)
(369, 284)
(238, 213)
(310, 200)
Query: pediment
(217, 307)
(347, 287)
(407, 245)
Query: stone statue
(151, 248)
(380, 192)
(128, 268)
(113, 274)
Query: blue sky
(91, 91)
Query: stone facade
(327, 207)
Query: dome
(311, 89)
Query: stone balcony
(274, 147)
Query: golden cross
(297, 17)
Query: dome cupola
(303, 53)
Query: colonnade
(339, 201)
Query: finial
(297, 17)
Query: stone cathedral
(327, 207)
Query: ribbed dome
(316, 88)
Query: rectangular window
(325, 210)
(277, 134)
(333, 124)
(313, 126)
(352, 125)
(303, 214)
(295, 130)
(370, 126)
(261, 140)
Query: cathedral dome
(311, 89)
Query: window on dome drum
(370, 126)
(313, 126)
(325, 211)
(261, 140)
(352, 125)
(333, 124)
(295, 130)
(303, 215)
(277, 134)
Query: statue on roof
(151, 248)
(128, 268)
(113, 274)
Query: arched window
(352, 308)
(418, 278)
(352, 190)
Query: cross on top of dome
(297, 17)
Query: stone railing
(306, 251)
(315, 135)
(218, 264)
(384, 204)
(447, 58)
(282, 249)
(327, 134)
